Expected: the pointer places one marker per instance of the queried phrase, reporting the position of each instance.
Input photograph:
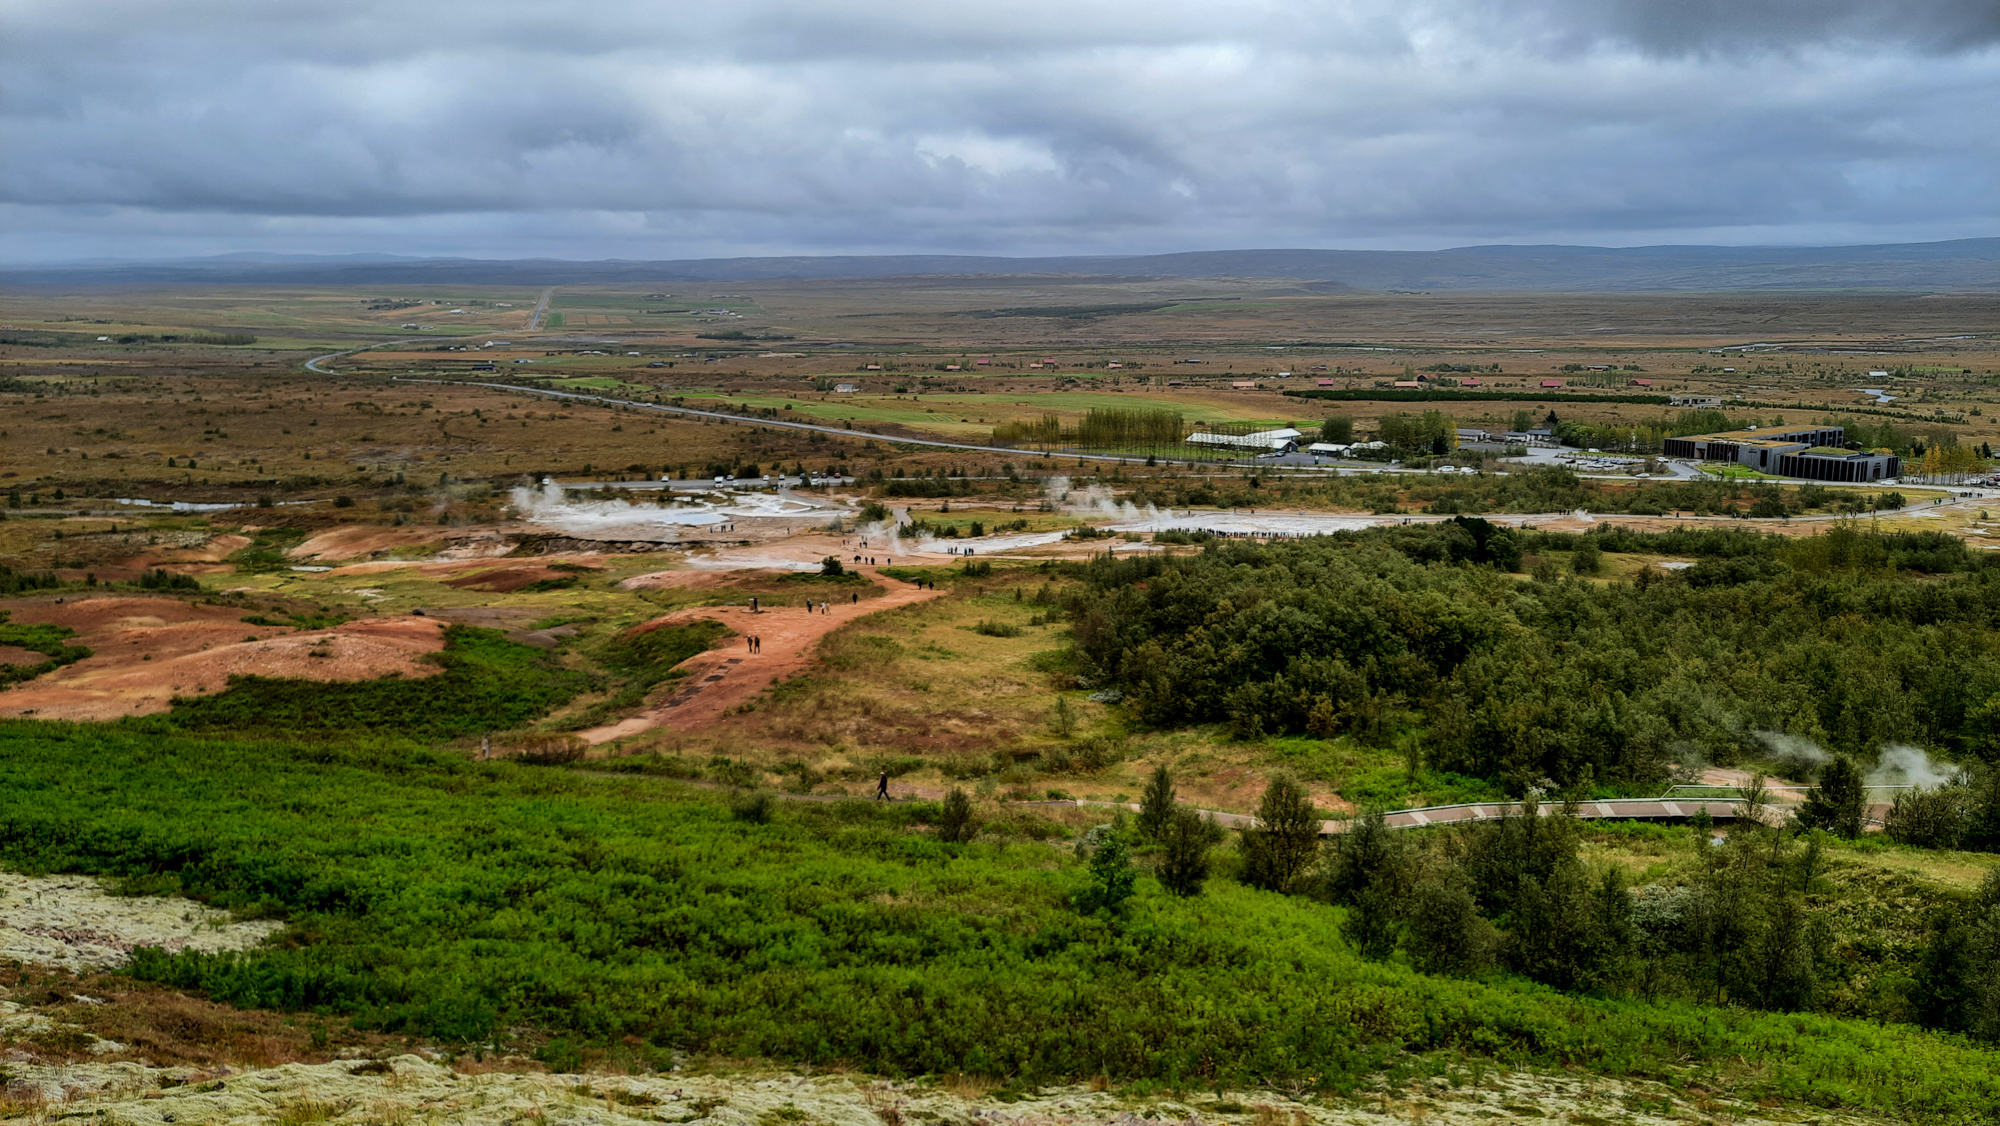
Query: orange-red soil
(146, 651)
(720, 679)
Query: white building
(1282, 440)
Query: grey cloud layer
(767, 126)
(1740, 26)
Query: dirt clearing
(146, 651)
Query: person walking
(882, 787)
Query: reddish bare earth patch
(683, 579)
(360, 541)
(146, 651)
(721, 679)
(15, 655)
(506, 579)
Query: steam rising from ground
(630, 515)
(1795, 755)
(1897, 766)
(1904, 765)
(1095, 502)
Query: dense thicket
(1849, 639)
(451, 899)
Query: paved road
(934, 443)
(690, 412)
(541, 307)
(313, 364)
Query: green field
(850, 407)
(974, 416)
(595, 383)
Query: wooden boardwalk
(1613, 809)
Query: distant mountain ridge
(1962, 264)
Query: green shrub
(1157, 803)
(996, 629)
(1937, 817)
(1279, 850)
(266, 551)
(153, 578)
(51, 641)
(754, 806)
(956, 824)
(1185, 841)
(1839, 802)
(20, 582)
(1111, 881)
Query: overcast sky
(623, 129)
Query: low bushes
(453, 899)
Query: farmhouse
(1699, 402)
(1816, 453)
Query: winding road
(313, 365)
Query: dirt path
(720, 679)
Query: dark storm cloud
(1682, 26)
(641, 129)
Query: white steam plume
(1095, 502)
(1796, 756)
(1903, 765)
